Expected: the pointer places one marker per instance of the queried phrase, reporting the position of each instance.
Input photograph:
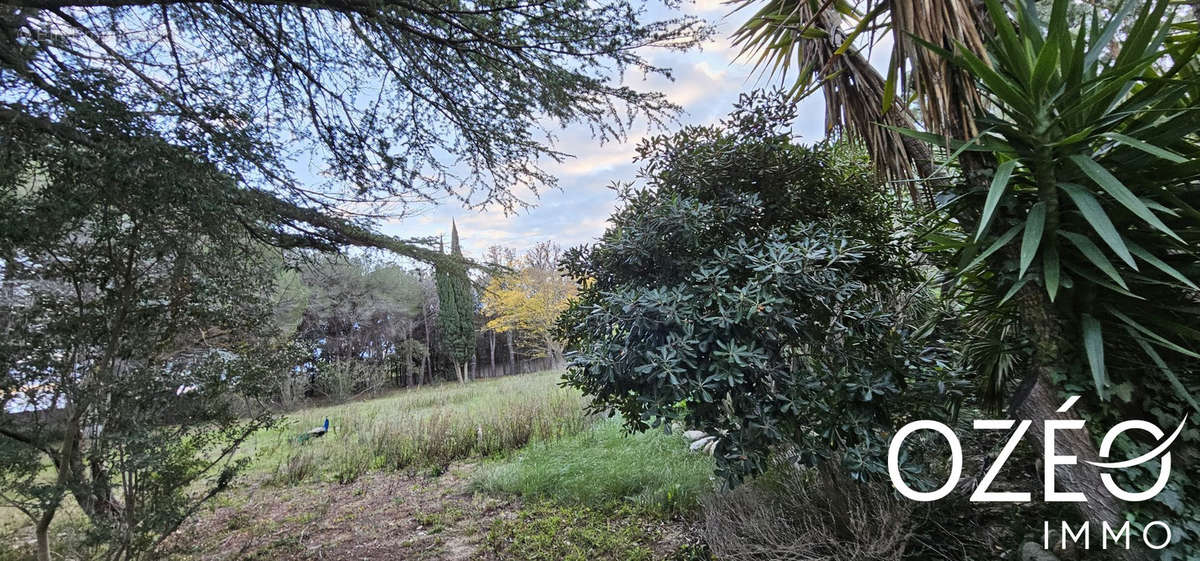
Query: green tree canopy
(133, 309)
(356, 307)
(394, 101)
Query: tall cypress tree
(456, 303)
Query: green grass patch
(421, 429)
(602, 465)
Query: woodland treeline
(373, 325)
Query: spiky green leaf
(999, 186)
(1159, 339)
(1118, 191)
(1145, 147)
(996, 245)
(1051, 270)
(1095, 215)
(1176, 384)
(1035, 224)
(1161, 265)
(1093, 254)
(1093, 345)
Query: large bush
(751, 287)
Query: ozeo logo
(1050, 461)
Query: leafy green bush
(715, 299)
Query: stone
(697, 445)
(694, 434)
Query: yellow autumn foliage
(528, 301)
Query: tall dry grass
(422, 429)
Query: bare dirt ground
(380, 516)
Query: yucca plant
(1097, 179)
(1086, 237)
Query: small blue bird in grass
(315, 432)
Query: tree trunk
(492, 352)
(92, 492)
(554, 351)
(1037, 401)
(428, 345)
(104, 504)
(458, 371)
(421, 372)
(408, 371)
(512, 353)
(43, 535)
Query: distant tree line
(374, 325)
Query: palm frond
(946, 95)
(817, 46)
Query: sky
(707, 83)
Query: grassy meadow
(419, 430)
(498, 469)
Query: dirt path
(380, 516)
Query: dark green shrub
(752, 288)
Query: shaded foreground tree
(132, 322)
(752, 288)
(161, 136)
(395, 102)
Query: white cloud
(708, 6)
(600, 160)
